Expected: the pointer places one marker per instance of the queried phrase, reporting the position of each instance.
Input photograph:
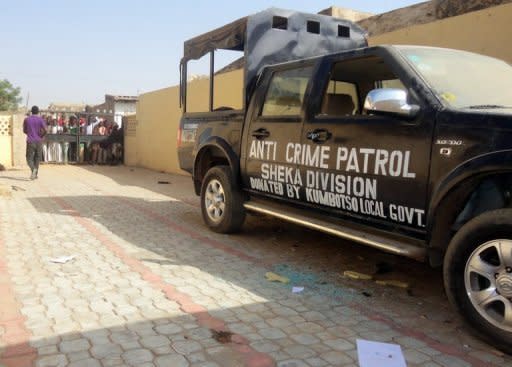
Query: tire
(221, 201)
(478, 276)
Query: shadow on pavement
(170, 233)
(167, 234)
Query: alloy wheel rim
(215, 201)
(488, 282)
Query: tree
(9, 96)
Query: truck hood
(478, 118)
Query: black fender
(227, 152)
(456, 187)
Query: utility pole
(26, 104)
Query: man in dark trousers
(35, 129)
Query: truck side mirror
(389, 101)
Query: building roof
(64, 107)
(121, 98)
(345, 13)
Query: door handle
(319, 135)
(261, 133)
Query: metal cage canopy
(274, 36)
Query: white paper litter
(62, 259)
(375, 354)
(297, 289)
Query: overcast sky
(78, 51)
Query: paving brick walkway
(149, 285)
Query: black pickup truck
(407, 149)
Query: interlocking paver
(293, 363)
(185, 347)
(55, 360)
(305, 339)
(136, 357)
(149, 282)
(171, 360)
(74, 346)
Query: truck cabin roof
(273, 36)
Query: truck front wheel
(221, 201)
(478, 275)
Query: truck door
(371, 168)
(273, 121)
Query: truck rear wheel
(478, 275)
(221, 201)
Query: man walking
(35, 129)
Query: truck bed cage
(270, 37)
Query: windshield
(463, 79)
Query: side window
(340, 99)
(286, 92)
(351, 81)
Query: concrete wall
(157, 116)
(6, 140)
(153, 144)
(158, 113)
(19, 141)
(12, 139)
(130, 139)
(485, 31)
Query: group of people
(62, 123)
(105, 146)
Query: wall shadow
(170, 242)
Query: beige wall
(486, 31)
(157, 116)
(158, 113)
(19, 141)
(130, 140)
(6, 140)
(12, 139)
(153, 145)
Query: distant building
(118, 106)
(344, 13)
(66, 107)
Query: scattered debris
(164, 182)
(366, 294)
(222, 337)
(17, 188)
(297, 289)
(62, 259)
(273, 277)
(393, 283)
(356, 275)
(376, 354)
